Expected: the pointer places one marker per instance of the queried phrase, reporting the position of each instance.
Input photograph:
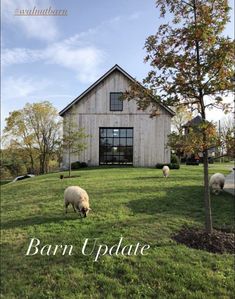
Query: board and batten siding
(93, 112)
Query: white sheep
(78, 198)
(165, 171)
(217, 183)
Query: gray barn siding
(150, 135)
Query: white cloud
(20, 87)
(17, 91)
(77, 53)
(43, 28)
(19, 55)
(70, 53)
(83, 60)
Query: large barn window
(116, 103)
(116, 146)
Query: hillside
(137, 204)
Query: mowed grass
(135, 203)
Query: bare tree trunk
(32, 164)
(207, 200)
(42, 161)
(41, 165)
(208, 217)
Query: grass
(136, 203)
(3, 182)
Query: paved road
(229, 183)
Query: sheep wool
(78, 198)
(217, 183)
(165, 171)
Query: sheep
(217, 183)
(165, 171)
(78, 198)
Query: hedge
(192, 163)
(170, 165)
(77, 165)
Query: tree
(182, 116)
(37, 129)
(226, 132)
(18, 134)
(46, 126)
(193, 142)
(13, 162)
(192, 65)
(73, 137)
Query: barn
(119, 133)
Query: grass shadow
(40, 220)
(187, 201)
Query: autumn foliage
(192, 64)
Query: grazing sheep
(78, 198)
(165, 171)
(217, 183)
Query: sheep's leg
(74, 208)
(77, 210)
(66, 207)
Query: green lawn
(135, 203)
(3, 182)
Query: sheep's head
(85, 211)
(216, 189)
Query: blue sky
(56, 58)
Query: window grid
(116, 146)
(116, 104)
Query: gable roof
(114, 68)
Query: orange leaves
(196, 139)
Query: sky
(56, 58)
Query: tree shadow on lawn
(148, 178)
(40, 219)
(186, 201)
(170, 178)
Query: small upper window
(116, 103)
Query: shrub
(78, 165)
(211, 160)
(170, 165)
(192, 162)
(174, 159)
(174, 166)
(75, 165)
